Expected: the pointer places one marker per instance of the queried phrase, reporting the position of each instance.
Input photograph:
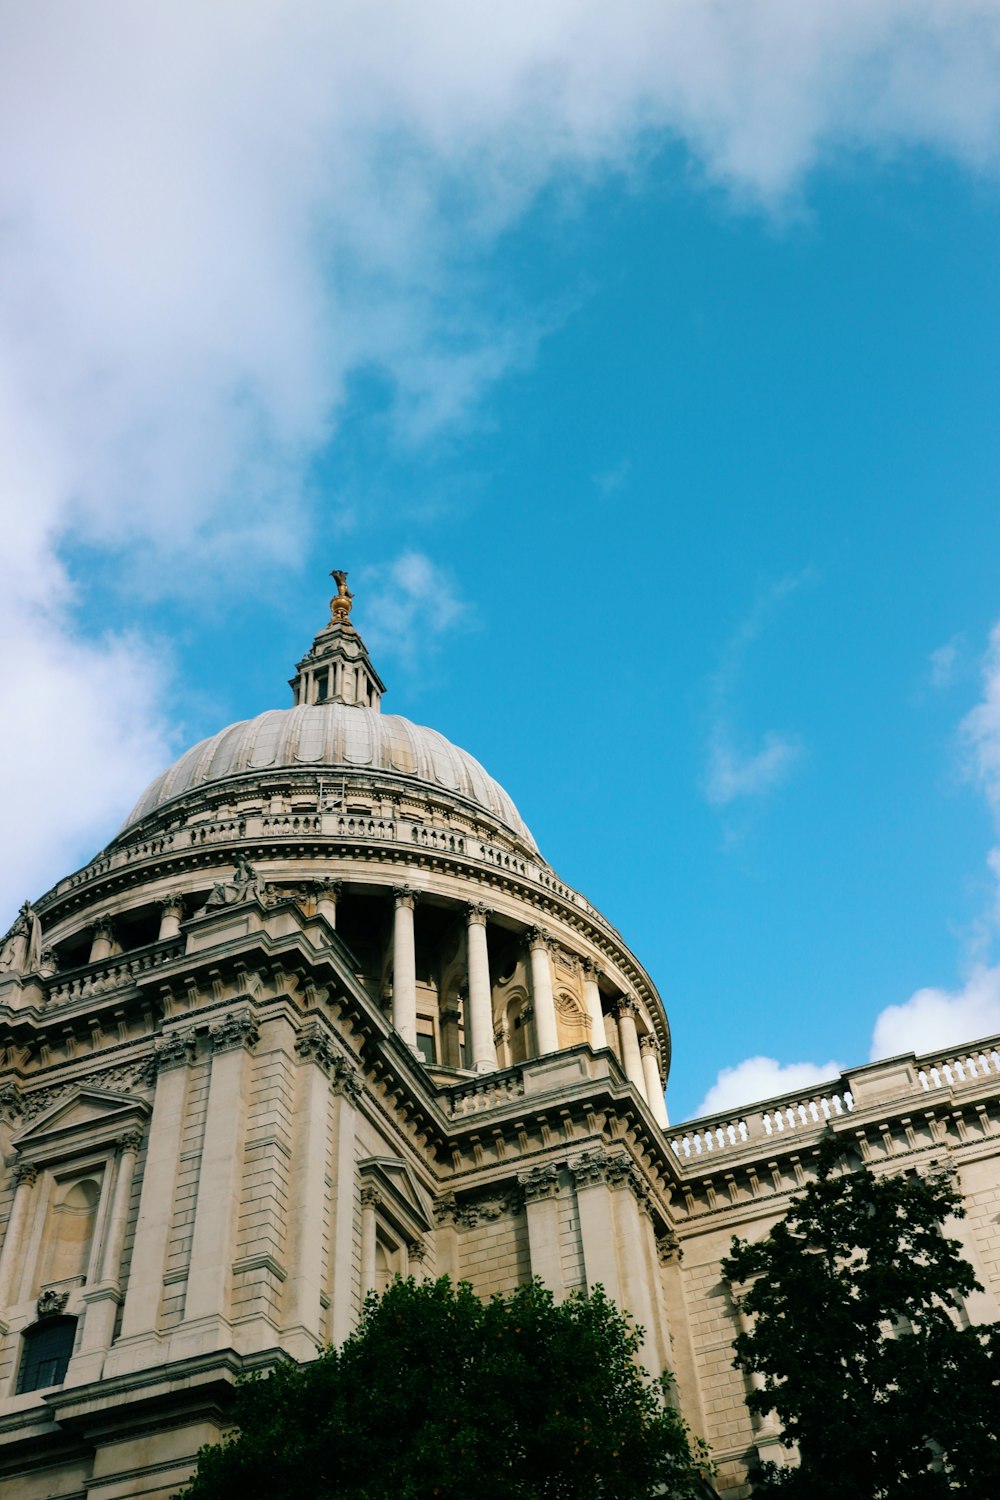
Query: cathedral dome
(338, 737)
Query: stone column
(217, 1203)
(156, 1203)
(541, 1188)
(171, 917)
(25, 1176)
(102, 1299)
(102, 940)
(404, 968)
(592, 999)
(371, 1200)
(597, 1223)
(327, 896)
(345, 1086)
(649, 1051)
(484, 1052)
(765, 1425)
(631, 1056)
(303, 1291)
(540, 943)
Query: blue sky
(647, 388)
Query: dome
(338, 737)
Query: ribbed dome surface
(338, 737)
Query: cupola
(337, 667)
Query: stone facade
(321, 1013)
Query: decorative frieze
(173, 1051)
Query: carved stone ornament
(540, 1182)
(476, 912)
(129, 1140)
(668, 1249)
(314, 1045)
(345, 1079)
(11, 1103)
(173, 1051)
(648, 1043)
(611, 1168)
(405, 896)
(328, 890)
(474, 1211)
(245, 885)
(416, 1251)
(21, 947)
(26, 1174)
(238, 1029)
(370, 1197)
(539, 937)
(50, 1304)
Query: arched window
(46, 1353)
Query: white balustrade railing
(952, 1068)
(780, 1118)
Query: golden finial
(340, 604)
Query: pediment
(402, 1196)
(87, 1117)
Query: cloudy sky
(639, 361)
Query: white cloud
(732, 774)
(409, 603)
(213, 214)
(945, 662)
(761, 1078)
(934, 1018)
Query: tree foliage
(440, 1394)
(855, 1301)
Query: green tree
(440, 1394)
(855, 1303)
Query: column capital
(129, 1142)
(591, 967)
(540, 1182)
(648, 1043)
(540, 937)
(331, 889)
(171, 906)
(668, 1249)
(626, 1005)
(477, 913)
(103, 927)
(26, 1173)
(238, 1029)
(405, 895)
(370, 1197)
(175, 1050)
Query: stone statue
(21, 950)
(246, 885)
(340, 604)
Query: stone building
(322, 1013)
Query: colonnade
(639, 1054)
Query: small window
(425, 1041)
(47, 1349)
